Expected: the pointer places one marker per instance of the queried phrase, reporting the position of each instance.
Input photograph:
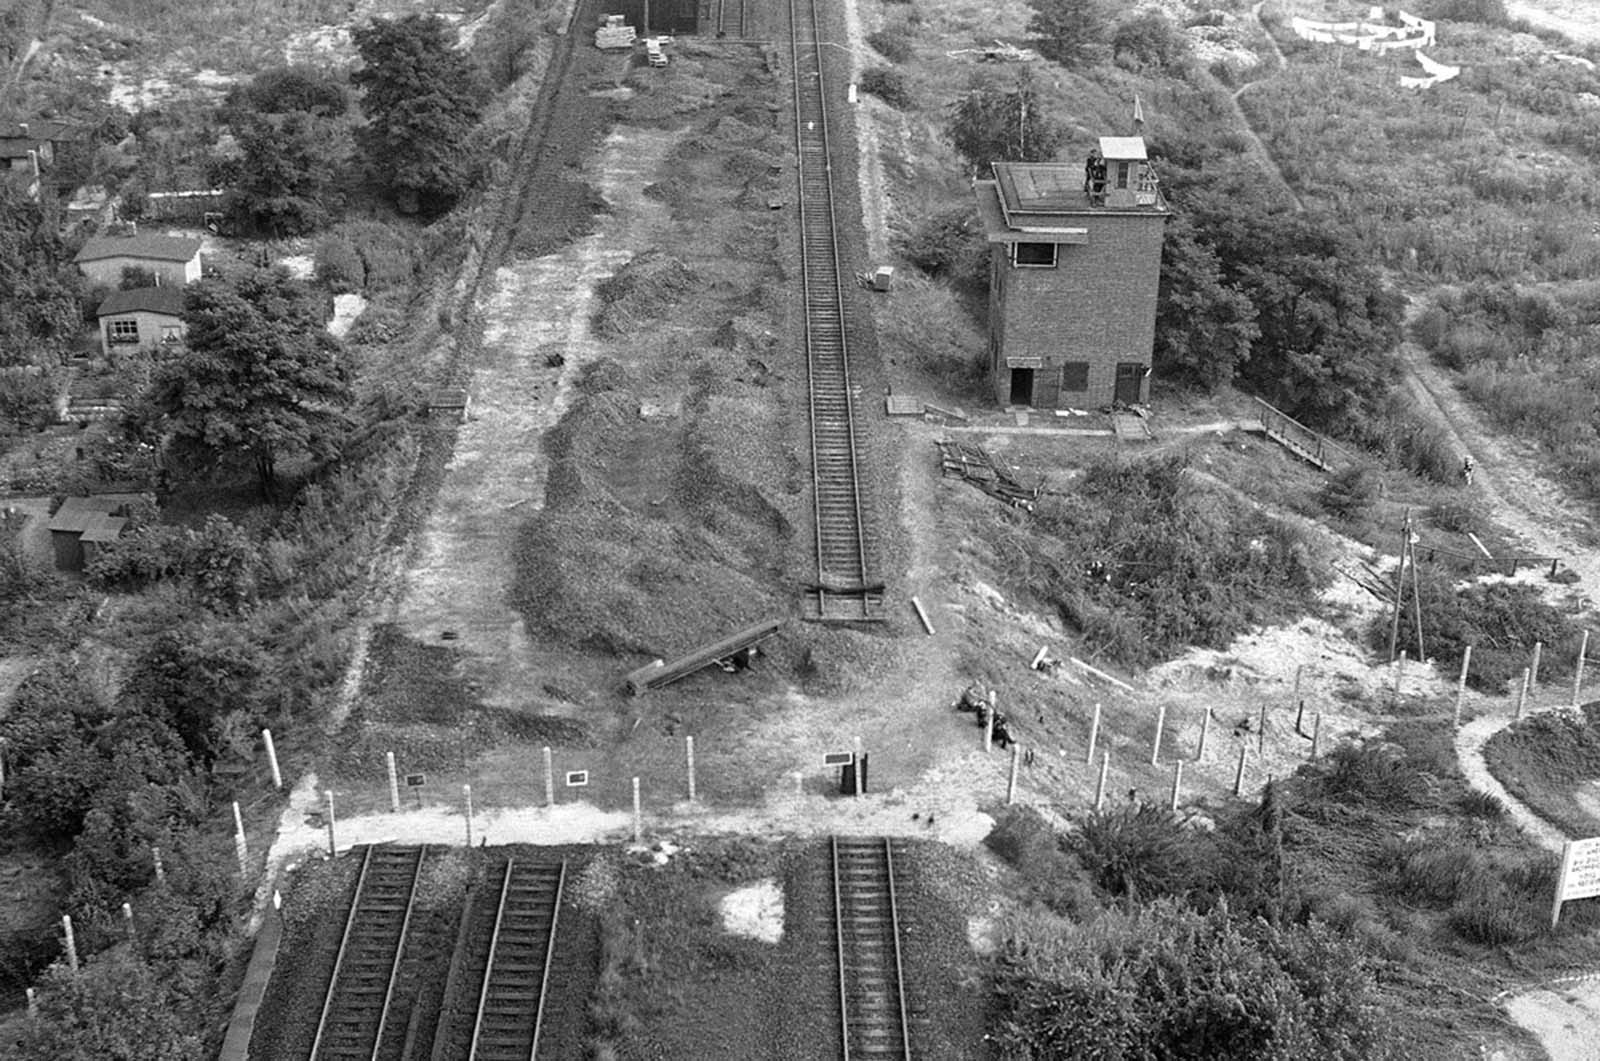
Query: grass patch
(1543, 761)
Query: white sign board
(1580, 870)
(577, 778)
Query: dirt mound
(648, 543)
(643, 290)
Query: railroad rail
(516, 975)
(872, 1002)
(844, 590)
(361, 990)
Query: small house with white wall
(174, 260)
(145, 318)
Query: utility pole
(1399, 586)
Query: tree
(38, 286)
(114, 1009)
(1204, 327)
(284, 184)
(421, 101)
(1148, 38)
(990, 123)
(1069, 31)
(259, 376)
(289, 90)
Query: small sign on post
(1580, 874)
(577, 778)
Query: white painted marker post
(1316, 736)
(272, 758)
(988, 728)
(638, 825)
(1011, 785)
(1399, 673)
(72, 942)
(1461, 682)
(1298, 671)
(466, 794)
(239, 847)
(1100, 786)
(33, 1005)
(155, 860)
(922, 614)
(861, 782)
(1177, 781)
(1238, 775)
(549, 779)
(1094, 735)
(1533, 668)
(1155, 745)
(333, 849)
(394, 783)
(1577, 671)
(688, 751)
(127, 918)
(1205, 730)
(1522, 696)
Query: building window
(1122, 173)
(124, 331)
(1075, 376)
(1034, 255)
(170, 333)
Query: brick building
(1075, 260)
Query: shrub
(1140, 851)
(946, 244)
(888, 85)
(1349, 492)
(338, 265)
(1457, 517)
(1168, 982)
(892, 43)
(1501, 620)
(1027, 842)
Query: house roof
(103, 528)
(159, 248)
(165, 300)
(17, 148)
(37, 129)
(1123, 148)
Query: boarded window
(124, 331)
(1039, 255)
(1075, 376)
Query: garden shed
(84, 525)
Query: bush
(1501, 620)
(1349, 492)
(947, 244)
(338, 265)
(893, 44)
(888, 85)
(1167, 982)
(1140, 851)
(1027, 842)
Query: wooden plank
(903, 405)
(659, 673)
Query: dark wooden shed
(666, 16)
(96, 520)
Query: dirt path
(1577, 20)
(1242, 120)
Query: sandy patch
(346, 308)
(1562, 1018)
(755, 911)
(300, 266)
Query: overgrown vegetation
(1144, 560)
(1500, 620)
(1546, 759)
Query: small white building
(144, 318)
(175, 260)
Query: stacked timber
(995, 477)
(614, 33)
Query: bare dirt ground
(1578, 19)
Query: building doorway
(1022, 386)
(1130, 382)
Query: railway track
(872, 1003)
(731, 24)
(844, 590)
(356, 1008)
(516, 971)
